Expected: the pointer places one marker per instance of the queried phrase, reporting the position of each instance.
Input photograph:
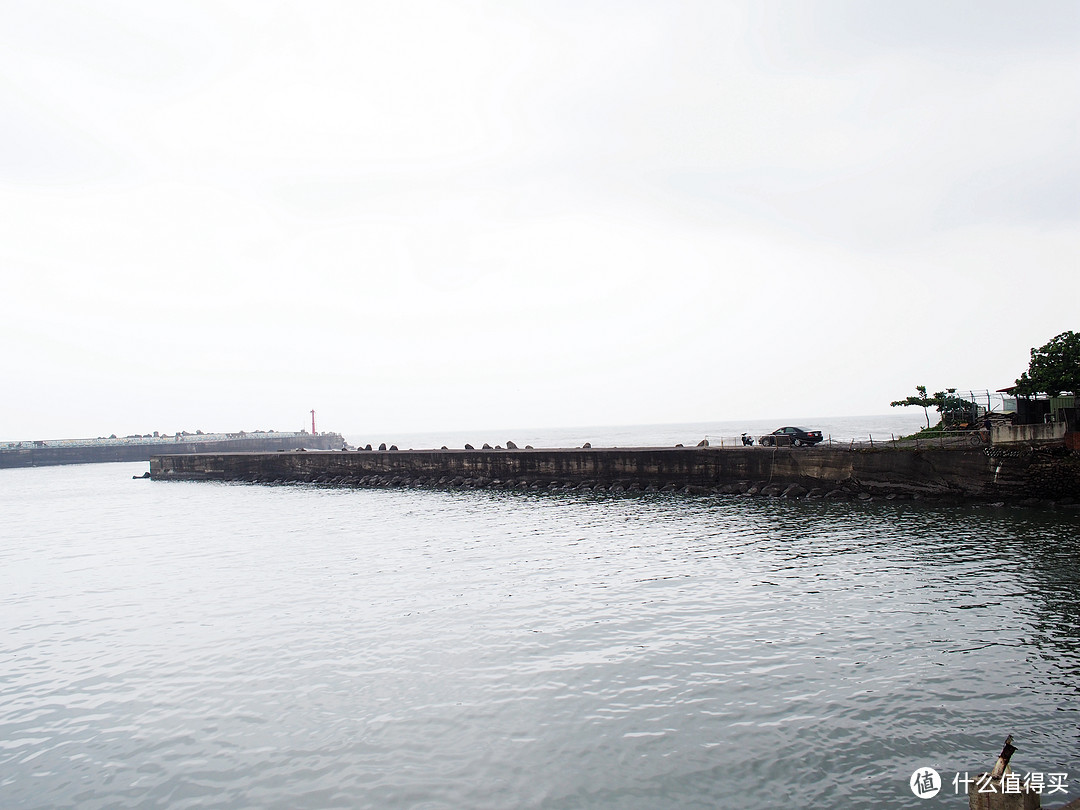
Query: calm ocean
(203, 645)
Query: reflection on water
(227, 646)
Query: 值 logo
(925, 783)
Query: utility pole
(313, 423)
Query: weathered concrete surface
(1013, 434)
(990, 474)
(96, 454)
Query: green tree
(922, 400)
(1054, 368)
(951, 407)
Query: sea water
(208, 645)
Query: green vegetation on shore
(950, 407)
(1054, 369)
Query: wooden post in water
(1001, 788)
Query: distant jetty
(41, 453)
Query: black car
(793, 436)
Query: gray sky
(416, 216)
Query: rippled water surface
(195, 645)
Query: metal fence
(949, 439)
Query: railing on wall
(950, 439)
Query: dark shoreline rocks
(847, 492)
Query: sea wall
(1013, 434)
(30, 456)
(990, 473)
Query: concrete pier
(977, 473)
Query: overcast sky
(450, 215)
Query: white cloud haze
(423, 215)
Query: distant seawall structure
(96, 451)
(989, 473)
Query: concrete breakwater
(41, 454)
(977, 473)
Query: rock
(794, 491)
(703, 443)
(393, 447)
(469, 447)
(443, 447)
(382, 447)
(511, 446)
(678, 445)
(367, 447)
(486, 446)
(528, 447)
(772, 490)
(587, 446)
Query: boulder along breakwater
(1013, 474)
